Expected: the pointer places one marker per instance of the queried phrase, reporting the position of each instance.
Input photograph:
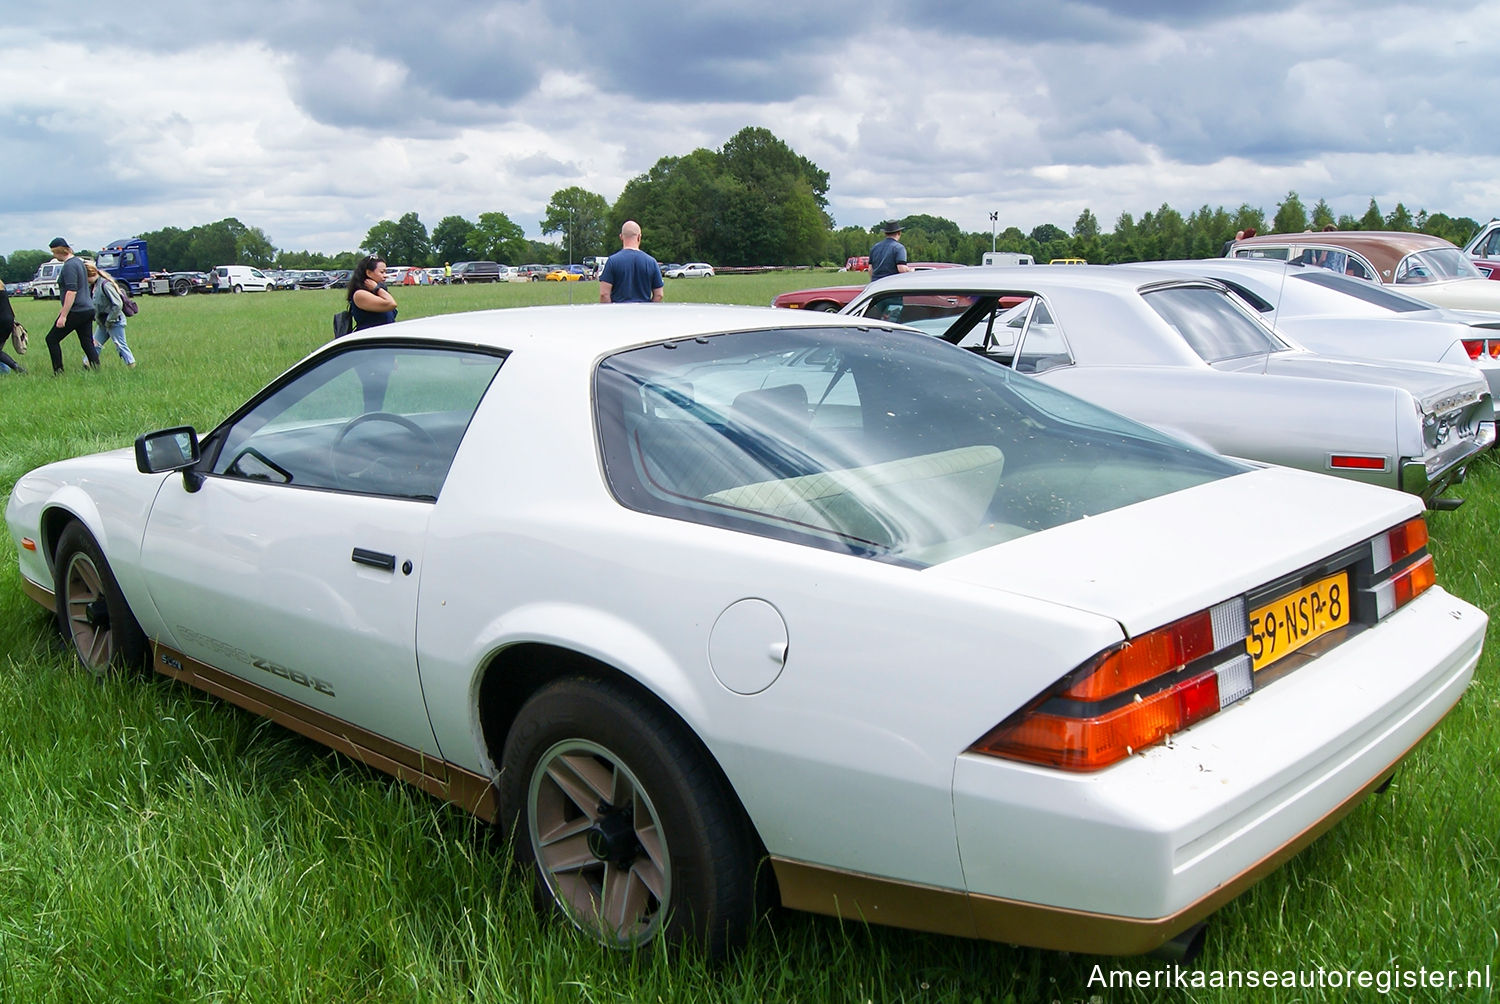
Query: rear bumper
(1162, 839)
(1431, 474)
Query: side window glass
(380, 420)
(1043, 346)
(933, 313)
(1491, 244)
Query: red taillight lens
(1133, 694)
(1474, 347)
(1143, 658)
(1414, 581)
(1407, 539)
(1083, 744)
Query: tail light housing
(1478, 348)
(1141, 691)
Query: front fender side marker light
(27, 544)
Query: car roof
(1030, 277)
(593, 329)
(1354, 240)
(1381, 248)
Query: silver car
(1340, 315)
(1188, 356)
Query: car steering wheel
(372, 458)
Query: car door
(295, 563)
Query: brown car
(1424, 266)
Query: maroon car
(832, 298)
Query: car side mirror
(170, 450)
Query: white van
(240, 278)
(1007, 258)
(44, 283)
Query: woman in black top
(370, 302)
(7, 321)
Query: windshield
(1435, 265)
(887, 445)
(1211, 324)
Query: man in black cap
(77, 312)
(889, 256)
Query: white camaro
(672, 590)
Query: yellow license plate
(1288, 622)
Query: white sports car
(673, 590)
(1336, 314)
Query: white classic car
(673, 591)
(1187, 356)
(1340, 315)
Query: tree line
(754, 201)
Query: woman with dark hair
(7, 322)
(370, 303)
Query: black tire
(181, 287)
(666, 846)
(95, 620)
(824, 306)
(237, 289)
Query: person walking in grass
(109, 313)
(76, 315)
(7, 323)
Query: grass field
(158, 845)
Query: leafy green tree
(169, 248)
(211, 246)
(22, 265)
(450, 239)
(1291, 215)
(1048, 233)
(1372, 220)
(1322, 215)
(1086, 226)
(403, 242)
(498, 238)
(754, 202)
(581, 217)
(1400, 220)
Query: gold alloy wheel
(88, 613)
(599, 844)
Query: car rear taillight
(1403, 568)
(1139, 692)
(1133, 694)
(1481, 347)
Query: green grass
(159, 845)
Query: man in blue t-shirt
(889, 256)
(630, 275)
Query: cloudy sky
(312, 121)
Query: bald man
(630, 275)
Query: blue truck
(126, 260)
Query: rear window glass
(888, 445)
(1366, 291)
(1211, 323)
